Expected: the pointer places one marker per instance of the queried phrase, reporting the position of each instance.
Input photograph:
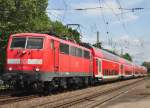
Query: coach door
(122, 69)
(99, 67)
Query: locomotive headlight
(10, 68)
(37, 69)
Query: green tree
(24, 16)
(3, 43)
(98, 45)
(30, 16)
(147, 65)
(75, 35)
(127, 56)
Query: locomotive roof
(29, 34)
(52, 37)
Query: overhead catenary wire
(66, 7)
(106, 23)
(122, 18)
(98, 7)
(110, 41)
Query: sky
(120, 30)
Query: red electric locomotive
(44, 61)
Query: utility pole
(98, 44)
(97, 37)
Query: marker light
(10, 69)
(37, 69)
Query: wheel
(48, 87)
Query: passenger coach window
(18, 43)
(87, 54)
(64, 48)
(35, 43)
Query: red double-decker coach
(106, 65)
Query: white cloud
(126, 18)
(132, 2)
(90, 39)
(138, 48)
(54, 15)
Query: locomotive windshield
(34, 43)
(27, 43)
(18, 43)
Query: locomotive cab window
(27, 43)
(34, 43)
(18, 43)
(86, 54)
(64, 48)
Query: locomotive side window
(78, 52)
(64, 48)
(18, 43)
(34, 43)
(86, 54)
(72, 50)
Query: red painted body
(110, 66)
(55, 58)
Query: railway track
(9, 99)
(77, 101)
(100, 100)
